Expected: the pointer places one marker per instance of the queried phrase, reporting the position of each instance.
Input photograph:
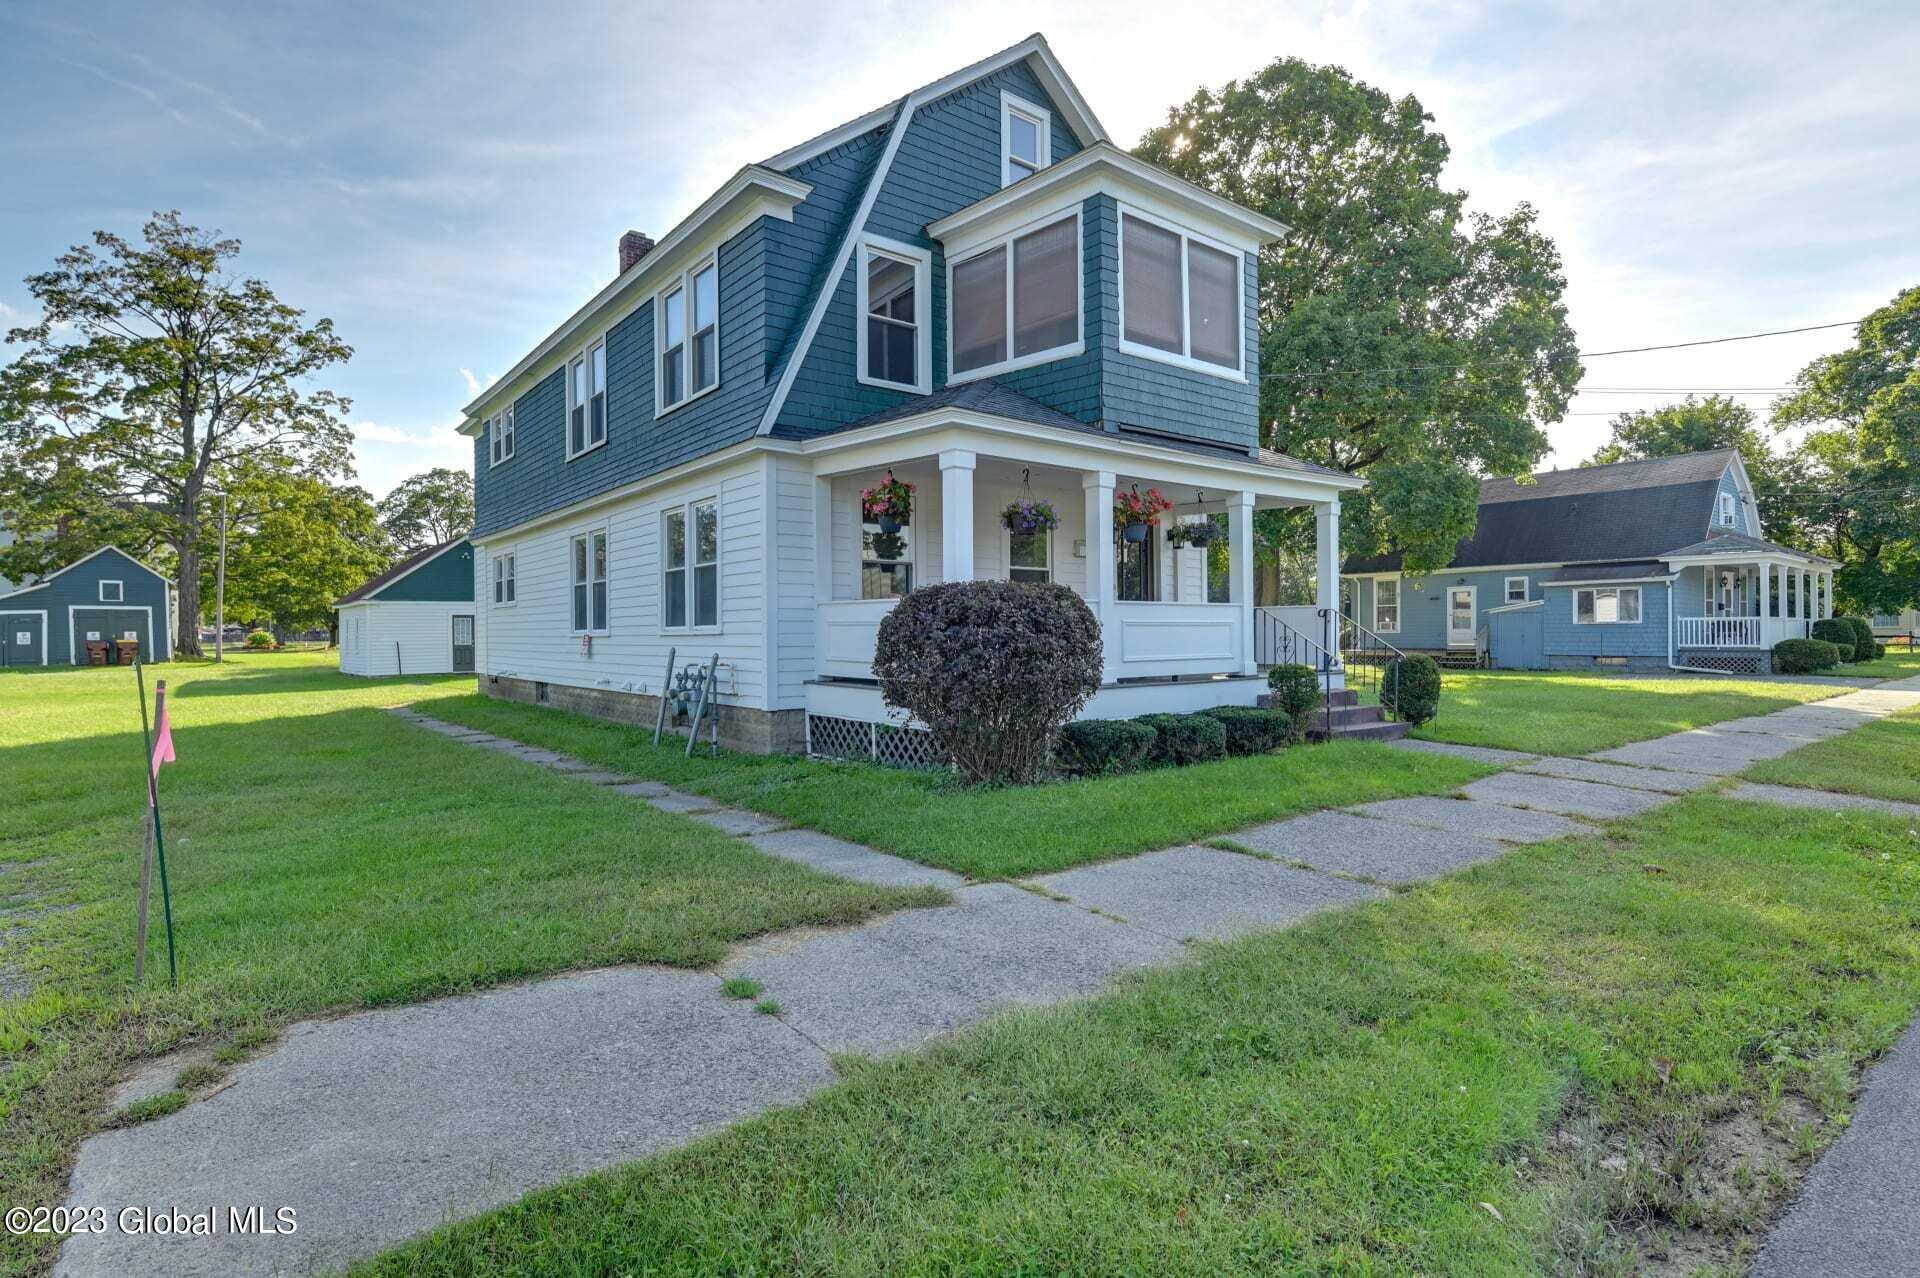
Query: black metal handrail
(1276, 643)
(1366, 658)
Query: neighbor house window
(1181, 297)
(1018, 303)
(1030, 556)
(690, 566)
(1026, 138)
(499, 437)
(1386, 604)
(590, 582)
(689, 337)
(1516, 590)
(895, 337)
(587, 400)
(113, 592)
(503, 579)
(1607, 605)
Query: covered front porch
(1175, 599)
(1740, 594)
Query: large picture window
(590, 583)
(690, 566)
(1607, 606)
(687, 338)
(895, 337)
(1018, 303)
(1386, 605)
(1181, 297)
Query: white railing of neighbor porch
(1737, 632)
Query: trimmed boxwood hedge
(1296, 692)
(1180, 739)
(1251, 730)
(1413, 694)
(1804, 656)
(1096, 747)
(1836, 631)
(1863, 641)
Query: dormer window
(1726, 510)
(895, 340)
(689, 337)
(1026, 138)
(587, 400)
(1182, 297)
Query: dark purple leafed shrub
(993, 668)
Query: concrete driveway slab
(1484, 820)
(1387, 851)
(1207, 893)
(1659, 780)
(1567, 797)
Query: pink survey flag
(162, 742)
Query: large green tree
(1701, 425)
(1861, 505)
(1401, 336)
(428, 509)
(295, 544)
(152, 374)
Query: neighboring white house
(415, 618)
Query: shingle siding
(1645, 639)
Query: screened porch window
(1018, 302)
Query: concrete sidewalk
(380, 1125)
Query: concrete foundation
(743, 728)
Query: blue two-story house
(1655, 564)
(970, 289)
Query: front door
(23, 639)
(463, 645)
(1460, 614)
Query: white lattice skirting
(1731, 662)
(829, 737)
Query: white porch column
(1098, 487)
(1766, 577)
(1826, 593)
(956, 514)
(1240, 568)
(1326, 544)
(1806, 597)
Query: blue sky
(448, 183)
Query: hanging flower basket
(1198, 535)
(1030, 516)
(1135, 513)
(888, 503)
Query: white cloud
(473, 383)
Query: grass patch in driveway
(1880, 760)
(989, 833)
(324, 854)
(1568, 712)
(1600, 1056)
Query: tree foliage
(1701, 425)
(429, 509)
(152, 375)
(295, 544)
(1860, 503)
(1395, 327)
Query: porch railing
(1370, 661)
(1275, 643)
(1737, 632)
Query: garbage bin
(126, 651)
(96, 652)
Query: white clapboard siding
(385, 637)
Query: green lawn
(1880, 760)
(1901, 664)
(1438, 1083)
(1564, 712)
(990, 833)
(324, 854)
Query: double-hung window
(688, 337)
(1017, 303)
(1181, 297)
(1030, 556)
(1726, 510)
(895, 338)
(1386, 605)
(690, 566)
(1516, 590)
(587, 400)
(590, 583)
(500, 437)
(1607, 605)
(1026, 138)
(503, 579)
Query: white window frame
(1729, 516)
(1399, 603)
(1006, 551)
(683, 284)
(119, 591)
(1619, 593)
(1068, 350)
(1183, 358)
(922, 262)
(1507, 590)
(585, 355)
(506, 586)
(688, 510)
(500, 435)
(1042, 119)
(588, 535)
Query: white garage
(415, 618)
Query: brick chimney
(633, 247)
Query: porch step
(1356, 723)
(1337, 698)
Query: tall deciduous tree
(432, 507)
(1863, 457)
(295, 545)
(1397, 329)
(152, 372)
(1701, 425)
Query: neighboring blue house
(970, 288)
(104, 598)
(1641, 564)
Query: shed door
(463, 645)
(108, 625)
(23, 639)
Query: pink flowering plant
(1030, 516)
(1135, 507)
(890, 499)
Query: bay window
(690, 566)
(1181, 297)
(687, 337)
(590, 583)
(1017, 303)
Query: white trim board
(452, 545)
(46, 639)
